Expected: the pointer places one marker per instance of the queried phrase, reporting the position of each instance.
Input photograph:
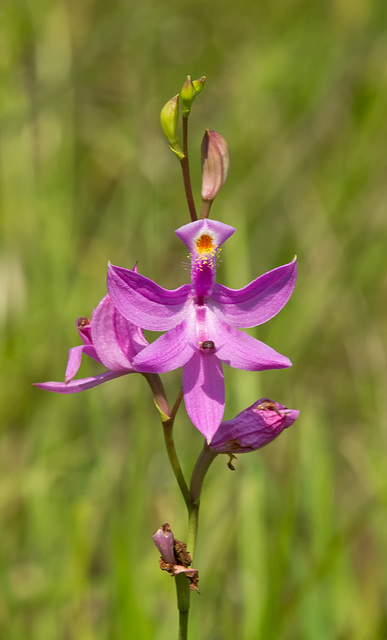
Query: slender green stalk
(191, 496)
(173, 459)
(193, 523)
(168, 419)
(186, 173)
(205, 210)
(201, 467)
(183, 602)
(159, 394)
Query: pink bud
(164, 541)
(253, 428)
(215, 164)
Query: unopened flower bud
(215, 164)
(169, 118)
(175, 558)
(164, 541)
(199, 85)
(188, 93)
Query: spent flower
(253, 428)
(174, 555)
(108, 338)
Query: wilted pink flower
(174, 555)
(107, 338)
(253, 428)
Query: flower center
(203, 269)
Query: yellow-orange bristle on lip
(205, 244)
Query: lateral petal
(170, 351)
(114, 337)
(75, 357)
(80, 385)
(204, 394)
(260, 300)
(145, 303)
(241, 351)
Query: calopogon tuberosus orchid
(108, 338)
(202, 321)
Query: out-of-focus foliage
(293, 544)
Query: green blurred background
(293, 544)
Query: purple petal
(112, 337)
(170, 351)
(254, 428)
(74, 361)
(203, 386)
(258, 301)
(80, 385)
(241, 351)
(164, 541)
(218, 231)
(145, 303)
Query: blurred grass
(292, 544)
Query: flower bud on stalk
(199, 85)
(215, 164)
(169, 118)
(188, 93)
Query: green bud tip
(188, 93)
(199, 85)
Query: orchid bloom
(201, 321)
(253, 428)
(107, 338)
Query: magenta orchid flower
(201, 321)
(107, 338)
(253, 428)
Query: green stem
(159, 394)
(202, 465)
(183, 602)
(168, 419)
(205, 210)
(186, 173)
(191, 496)
(193, 522)
(173, 459)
